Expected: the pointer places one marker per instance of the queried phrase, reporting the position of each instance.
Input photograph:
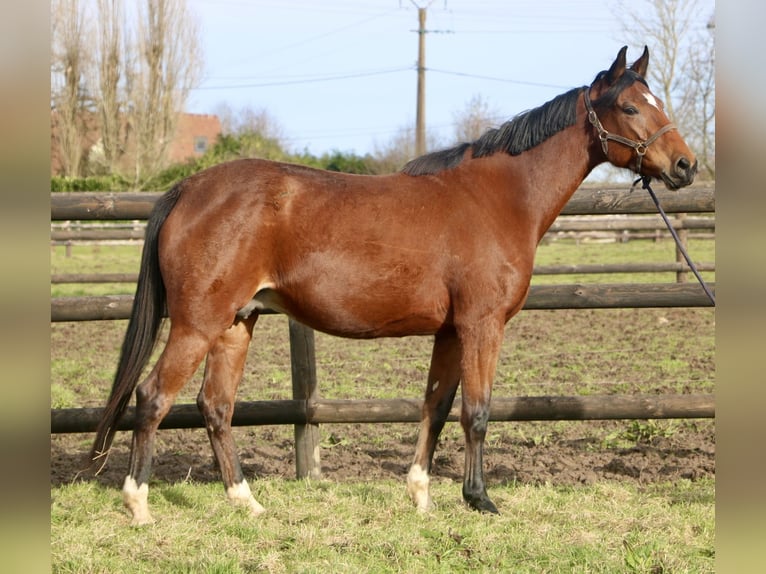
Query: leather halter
(604, 136)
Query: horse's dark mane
(521, 133)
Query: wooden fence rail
(306, 410)
(323, 411)
(585, 201)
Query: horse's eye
(630, 110)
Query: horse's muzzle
(682, 174)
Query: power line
(294, 80)
(320, 36)
(496, 79)
(308, 80)
(326, 34)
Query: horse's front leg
(443, 379)
(481, 347)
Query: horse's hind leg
(223, 372)
(443, 380)
(182, 355)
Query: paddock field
(608, 496)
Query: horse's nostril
(683, 164)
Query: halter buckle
(603, 135)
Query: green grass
(371, 527)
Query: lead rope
(645, 184)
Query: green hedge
(93, 183)
(226, 148)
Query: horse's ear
(618, 66)
(640, 65)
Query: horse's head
(632, 128)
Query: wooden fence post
(304, 376)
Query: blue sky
(340, 74)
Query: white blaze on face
(652, 100)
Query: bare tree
(474, 119)
(69, 62)
(696, 112)
(662, 26)
(250, 120)
(681, 67)
(167, 67)
(108, 86)
(132, 81)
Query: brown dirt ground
(556, 453)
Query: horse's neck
(551, 172)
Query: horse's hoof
(486, 506)
(139, 520)
(482, 504)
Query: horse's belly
(355, 315)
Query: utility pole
(420, 112)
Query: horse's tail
(143, 328)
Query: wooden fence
(111, 206)
(306, 410)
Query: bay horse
(445, 247)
